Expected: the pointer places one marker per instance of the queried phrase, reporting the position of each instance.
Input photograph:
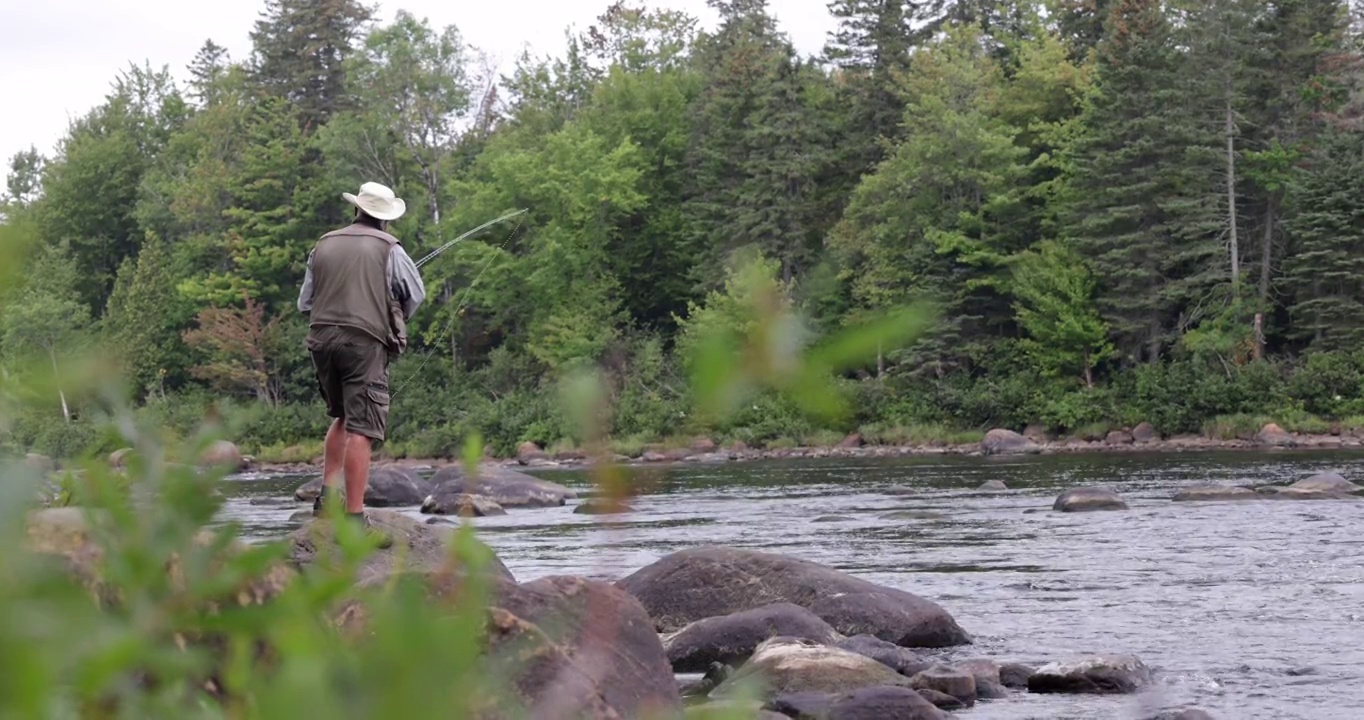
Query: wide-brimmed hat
(378, 201)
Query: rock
(710, 581)
(416, 547)
(40, 463)
(1272, 435)
(301, 516)
(901, 660)
(783, 665)
(884, 703)
(1013, 675)
(528, 451)
(602, 506)
(461, 505)
(801, 705)
(1327, 482)
(387, 487)
(715, 675)
(956, 683)
(1088, 499)
(1106, 675)
(940, 700)
(993, 486)
(1037, 433)
(505, 487)
(990, 690)
(986, 673)
(438, 521)
(851, 442)
(1118, 437)
(1007, 442)
(605, 660)
(703, 445)
(831, 518)
(1203, 493)
(731, 639)
(222, 454)
(653, 456)
(1144, 434)
(118, 459)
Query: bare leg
(334, 454)
(357, 471)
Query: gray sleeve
(405, 281)
(305, 294)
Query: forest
(1120, 211)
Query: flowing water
(1248, 610)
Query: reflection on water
(1248, 610)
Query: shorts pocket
(378, 395)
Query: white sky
(59, 57)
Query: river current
(1248, 610)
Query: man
(359, 291)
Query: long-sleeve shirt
(405, 283)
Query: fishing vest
(351, 284)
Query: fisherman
(360, 290)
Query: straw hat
(378, 201)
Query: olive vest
(351, 283)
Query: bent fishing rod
(431, 256)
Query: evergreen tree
(300, 49)
(207, 72)
(144, 320)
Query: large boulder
(1104, 675)
(594, 649)
(529, 452)
(1088, 499)
(712, 581)
(957, 684)
(884, 703)
(223, 454)
(785, 665)
(1144, 434)
(461, 505)
(416, 547)
(1272, 435)
(1007, 442)
(1327, 482)
(387, 487)
(503, 486)
(731, 639)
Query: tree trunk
(1267, 251)
(1231, 196)
(880, 363)
(66, 411)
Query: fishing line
(454, 316)
(432, 255)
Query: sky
(58, 58)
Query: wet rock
(503, 486)
(1272, 435)
(1118, 437)
(990, 690)
(438, 521)
(731, 639)
(1014, 675)
(715, 675)
(602, 506)
(949, 681)
(993, 486)
(416, 547)
(710, 581)
(1144, 434)
(528, 452)
(609, 662)
(1007, 442)
(1205, 493)
(901, 660)
(460, 505)
(1088, 499)
(1327, 482)
(884, 703)
(387, 487)
(940, 700)
(222, 454)
(830, 518)
(301, 516)
(801, 705)
(784, 665)
(1105, 675)
(913, 515)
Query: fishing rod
(431, 256)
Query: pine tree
(300, 49)
(1141, 208)
(207, 71)
(144, 319)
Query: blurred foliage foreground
(132, 599)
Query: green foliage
(1055, 307)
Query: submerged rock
(1015, 676)
(461, 505)
(602, 507)
(503, 486)
(1105, 675)
(1205, 493)
(901, 660)
(731, 639)
(1187, 714)
(1088, 499)
(784, 665)
(712, 581)
(1327, 482)
(993, 486)
(1007, 442)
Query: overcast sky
(58, 57)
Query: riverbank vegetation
(1120, 211)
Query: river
(1247, 610)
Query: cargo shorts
(352, 376)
